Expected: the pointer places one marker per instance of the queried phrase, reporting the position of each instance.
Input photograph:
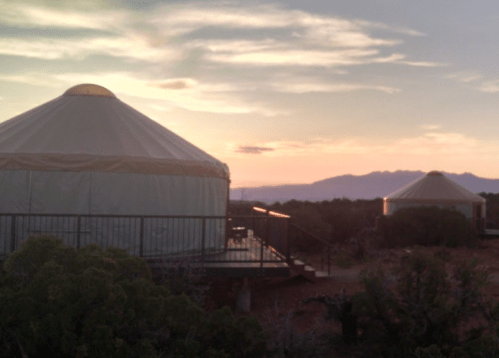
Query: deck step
(321, 274)
(308, 268)
(310, 273)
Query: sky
(284, 92)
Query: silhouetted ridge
(373, 185)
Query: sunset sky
(283, 92)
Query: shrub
(417, 310)
(424, 312)
(60, 301)
(426, 226)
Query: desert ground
(274, 298)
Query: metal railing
(274, 229)
(204, 239)
(327, 249)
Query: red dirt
(274, 297)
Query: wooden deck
(243, 258)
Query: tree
(418, 310)
(424, 307)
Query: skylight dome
(88, 89)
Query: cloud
(464, 77)
(31, 16)
(296, 57)
(31, 78)
(53, 49)
(489, 87)
(175, 84)
(203, 97)
(304, 39)
(396, 29)
(430, 127)
(473, 79)
(159, 108)
(423, 63)
(233, 46)
(307, 85)
(327, 30)
(168, 33)
(171, 44)
(429, 145)
(253, 150)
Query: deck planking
(246, 257)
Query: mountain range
(369, 186)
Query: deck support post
(243, 298)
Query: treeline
(333, 220)
(59, 301)
(340, 220)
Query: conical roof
(434, 187)
(88, 128)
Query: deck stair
(311, 274)
(307, 271)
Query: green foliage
(423, 312)
(426, 226)
(102, 303)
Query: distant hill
(369, 186)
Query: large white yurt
(436, 189)
(88, 153)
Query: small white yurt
(88, 153)
(438, 190)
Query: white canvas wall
(58, 192)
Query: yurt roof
(89, 129)
(434, 187)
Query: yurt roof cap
(89, 89)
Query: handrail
(271, 213)
(330, 247)
(312, 235)
(284, 244)
(135, 216)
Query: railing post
(13, 234)
(78, 231)
(328, 260)
(141, 249)
(267, 230)
(203, 237)
(227, 232)
(262, 242)
(286, 240)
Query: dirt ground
(275, 297)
